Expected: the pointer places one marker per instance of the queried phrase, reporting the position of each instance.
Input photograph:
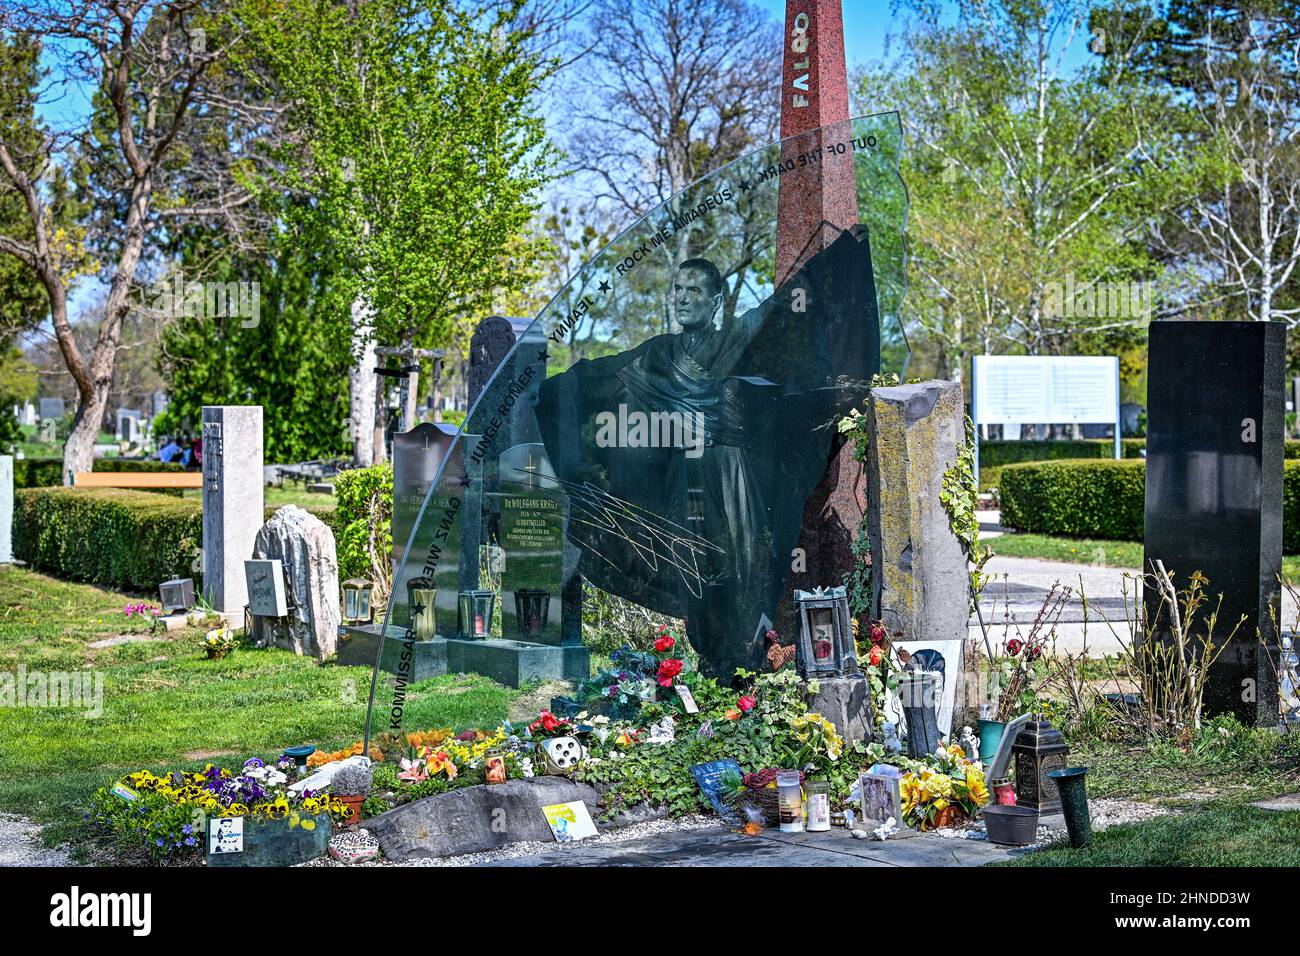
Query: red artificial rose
(1014, 645)
(876, 656)
(746, 704)
(547, 720)
(668, 670)
(665, 643)
(877, 633)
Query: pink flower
(746, 704)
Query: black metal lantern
(1038, 750)
(532, 610)
(176, 594)
(422, 596)
(476, 614)
(357, 593)
(826, 639)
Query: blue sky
(865, 25)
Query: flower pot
(950, 816)
(353, 803)
(1011, 826)
(1071, 784)
(990, 732)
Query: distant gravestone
(6, 509)
(493, 338)
(232, 501)
(1215, 422)
(51, 408)
(128, 425)
(265, 580)
(304, 546)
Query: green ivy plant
(959, 496)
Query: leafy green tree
(414, 133)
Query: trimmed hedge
(114, 536)
(110, 536)
(997, 453)
(1105, 499)
(48, 472)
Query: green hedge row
(48, 472)
(114, 536)
(109, 536)
(997, 453)
(1105, 499)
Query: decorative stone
(353, 846)
(920, 578)
(305, 546)
(843, 701)
(477, 818)
(232, 501)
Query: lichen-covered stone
(919, 571)
(305, 546)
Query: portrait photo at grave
(726, 436)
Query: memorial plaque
(531, 532)
(265, 578)
(1214, 491)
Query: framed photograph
(881, 798)
(226, 835)
(940, 657)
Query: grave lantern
(1039, 749)
(826, 638)
(356, 601)
(533, 609)
(176, 594)
(422, 595)
(476, 614)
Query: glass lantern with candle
(356, 601)
(422, 596)
(475, 614)
(825, 646)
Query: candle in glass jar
(789, 801)
(819, 806)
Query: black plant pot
(1012, 826)
(918, 694)
(1071, 784)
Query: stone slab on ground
(1288, 801)
(477, 818)
(721, 847)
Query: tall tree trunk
(79, 449)
(361, 384)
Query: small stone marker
(304, 545)
(265, 578)
(233, 502)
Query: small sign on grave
(570, 821)
(226, 835)
(265, 578)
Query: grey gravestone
(919, 568)
(128, 425)
(6, 509)
(265, 579)
(232, 501)
(1215, 421)
(51, 408)
(532, 535)
(493, 339)
(304, 545)
(843, 701)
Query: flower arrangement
(942, 790)
(320, 758)
(670, 667)
(878, 666)
(816, 740)
(548, 725)
(424, 763)
(219, 642)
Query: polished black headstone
(1215, 418)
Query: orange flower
(733, 714)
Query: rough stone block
(305, 547)
(477, 818)
(920, 574)
(843, 701)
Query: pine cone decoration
(778, 655)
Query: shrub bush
(110, 536)
(353, 491)
(1105, 499)
(48, 472)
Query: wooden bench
(138, 479)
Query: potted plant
(351, 785)
(219, 642)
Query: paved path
(718, 846)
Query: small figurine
(970, 744)
(662, 731)
(892, 744)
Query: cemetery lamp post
(826, 637)
(1038, 750)
(356, 601)
(475, 618)
(422, 595)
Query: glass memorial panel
(660, 424)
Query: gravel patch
(633, 832)
(1104, 812)
(20, 845)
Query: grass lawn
(166, 706)
(1119, 554)
(1218, 834)
(278, 497)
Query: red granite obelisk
(815, 202)
(814, 94)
